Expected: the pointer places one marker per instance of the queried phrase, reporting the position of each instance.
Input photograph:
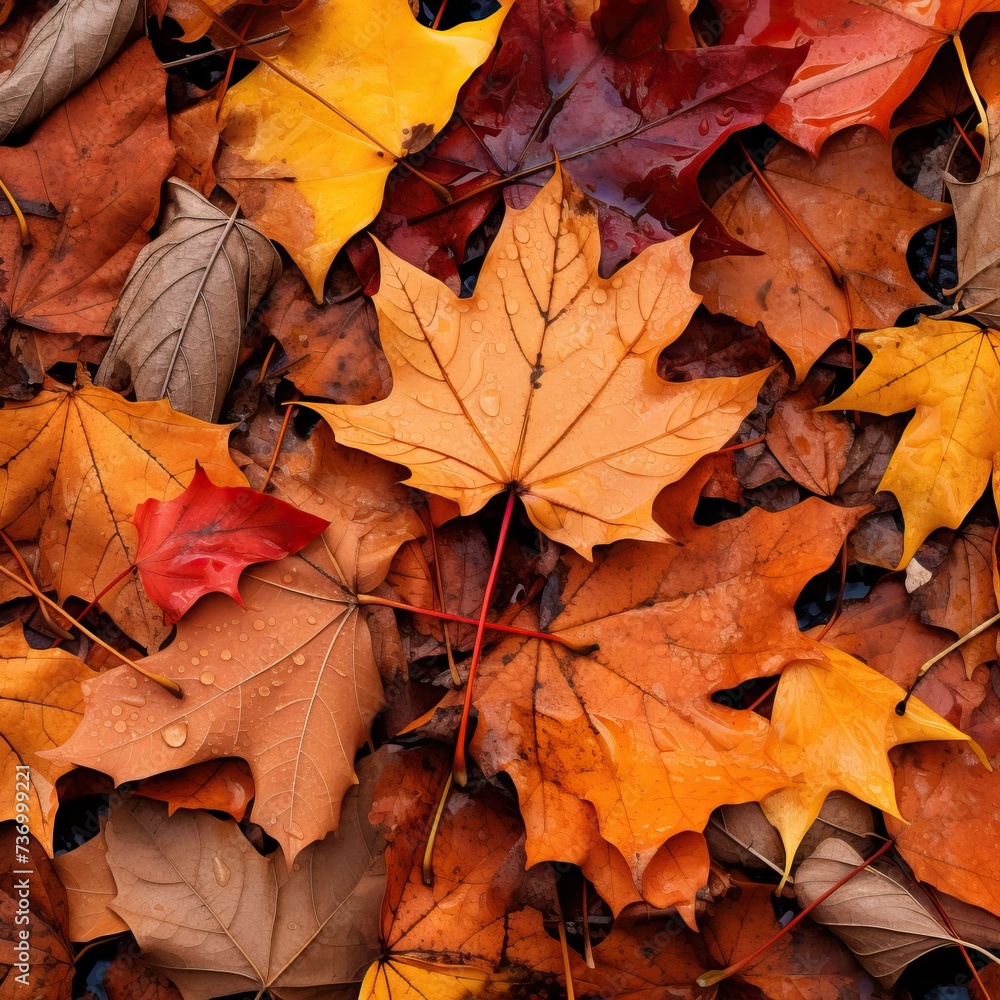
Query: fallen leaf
(959, 595)
(294, 667)
(877, 913)
(308, 160)
(85, 231)
(219, 785)
(45, 959)
(74, 464)
(40, 705)
(201, 541)
(128, 978)
(90, 887)
(948, 804)
(545, 380)
(854, 708)
(950, 373)
(631, 728)
(631, 120)
(863, 58)
(64, 49)
(806, 962)
(191, 882)
(333, 348)
(811, 446)
(790, 289)
(178, 321)
(194, 130)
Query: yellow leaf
(310, 176)
(544, 381)
(835, 719)
(949, 372)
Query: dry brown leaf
(32, 887)
(195, 132)
(853, 205)
(544, 381)
(74, 465)
(877, 915)
(40, 705)
(86, 232)
(178, 322)
(66, 47)
(811, 446)
(128, 978)
(90, 886)
(220, 785)
(218, 918)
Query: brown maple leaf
(544, 381)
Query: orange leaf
(545, 380)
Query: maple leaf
(864, 57)
(545, 380)
(73, 466)
(193, 882)
(86, 232)
(372, 85)
(40, 705)
(949, 372)
(798, 215)
(201, 540)
(630, 120)
(853, 706)
(632, 729)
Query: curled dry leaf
(218, 918)
(179, 319)
(884, 918)
(544, 381)
(63, 51)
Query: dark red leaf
(202, 540)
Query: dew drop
(175, 734)
(222, 872)
(288, 578)
(207, 677)
(117, 710)
(600, 296)
(182, 646)
(258, 625)
(225, 655)
(511, 305)
(703, 127)
(292, 925)
(151, 718)
(501, 273)
(263, 690)
(489, 402)
(120, 726)
(311, 619)
(270, 622)
(243, 637)
(475, 326)
(299, 659)
(135, 700)
(132, 682)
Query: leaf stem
(714, 976)
(427, 866)
(983, 128)
(459, 766)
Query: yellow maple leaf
(950, 373)
(544, 381)
(309, 162)
(835, 719)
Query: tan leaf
(64, 50)
(187, 298)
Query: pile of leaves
(477, 486)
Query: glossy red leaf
(203, 539)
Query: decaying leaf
(31, 886)
(178, 322)
(854, 707)
(309, 161)
(67, 46)
(201, 541)
(949, 372)
(116, 124)
(40, 705)
(850, 204)
(74, 464)
(545, 380)
(877, 915)
(218, 918)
